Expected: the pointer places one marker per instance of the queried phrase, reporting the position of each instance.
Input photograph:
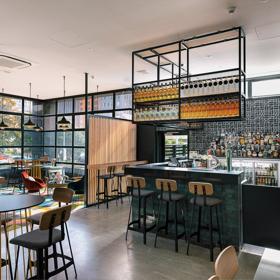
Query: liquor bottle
(200, 88)
(231, 84)
(236, 84)
(210, 87)
(225, 85)
(215, 86)
(190, 88)
(220, 86)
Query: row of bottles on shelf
(210, 87)
(153, 93)
(249, 144)
(267, 176)
(163, 112)
(211, 108)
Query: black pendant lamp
(37, 127)
(2, 124)
(63, 123)
(29, 124)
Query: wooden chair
(226, 264)
(36, 170)
(214, 277)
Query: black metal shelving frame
(180, 73)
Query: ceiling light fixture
(2, 124)
(63, 123)
(29, 124)
(37, 127)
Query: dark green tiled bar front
(227, 186)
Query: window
(33, 107)
(13, 121)
(64, 154)
(79, 155)
(67, 168)
(12, 105)
(6, 154)
(126, 115)
(266, 87)
(49, 108)
(64, 138)
(10, 138)
(79, 170)
(49, 123)
(68, 106)
(50, 152)
(49, 138)
(105, 114)
(37, 120)
(33, 138)
(123, 100)
(79, 138)
(80, 121)
(32, 153)
(69, 118)
(103, 102)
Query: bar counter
(227, 186)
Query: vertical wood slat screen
(110, 141)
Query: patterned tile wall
(262, 115)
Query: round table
(11, 204)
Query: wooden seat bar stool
(60, 195)
(140, 194)
(41, 239)
(169, 196)
(202, 198)
(105, 177)
(120, 175)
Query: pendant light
(63, 123)
(29, 124)
(37, 127)
(2, 124)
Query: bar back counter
(227, 187)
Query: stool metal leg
(144, 220)
(63, 260)
(106, 193)
(211, 234)
(70, 247)
(158, 222)
(46, 275)
(98, 190)
(218, 228)
(199, 223)
(176, 226)
(128, 219)
(190, 229)
(40, 266)
(166, 218)
(8, 250)
(55, 257)
(16, 267)
(139, 212)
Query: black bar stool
(140, 194)
(202, 198)
(169, 195)
(105, 177)
(120, 175)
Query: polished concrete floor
(101, 252)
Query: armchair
(32, 185)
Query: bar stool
(120, 175)
(202, 198)
(168, 195)
(60, 195)
(41, 239)
(105, 177)
(141, 195)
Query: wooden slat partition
(111, 142)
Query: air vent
(8, 63)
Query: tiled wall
(262, 115)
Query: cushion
(30, 178)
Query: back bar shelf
(196, 79)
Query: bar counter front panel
(227, 186)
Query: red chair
(30, 185)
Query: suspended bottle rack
(169, 87)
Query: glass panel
(69, 118)
(79, 170)
(268, 87)
(5, 169)
(33, 107)
(64, 138)
(49, 123)
(89, 103)
(80, 121)
(10, 138)
(13, 121)
(32, 153)
(79, 155)
(68, 106)
(33, 138)
(12, 105)
(80, 104)
(50, 152)
(105, 114)
(67, 169)
(49, 108)
(123, 100)
(49, 138)
(64, 154)
(103, 102)
(126, 115)
(7, 154)
(79, 138)
(36, 120)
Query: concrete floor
(101, 252)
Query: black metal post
(86, 141)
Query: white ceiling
(70, 37)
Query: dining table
(14, 212)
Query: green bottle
(229, 159)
